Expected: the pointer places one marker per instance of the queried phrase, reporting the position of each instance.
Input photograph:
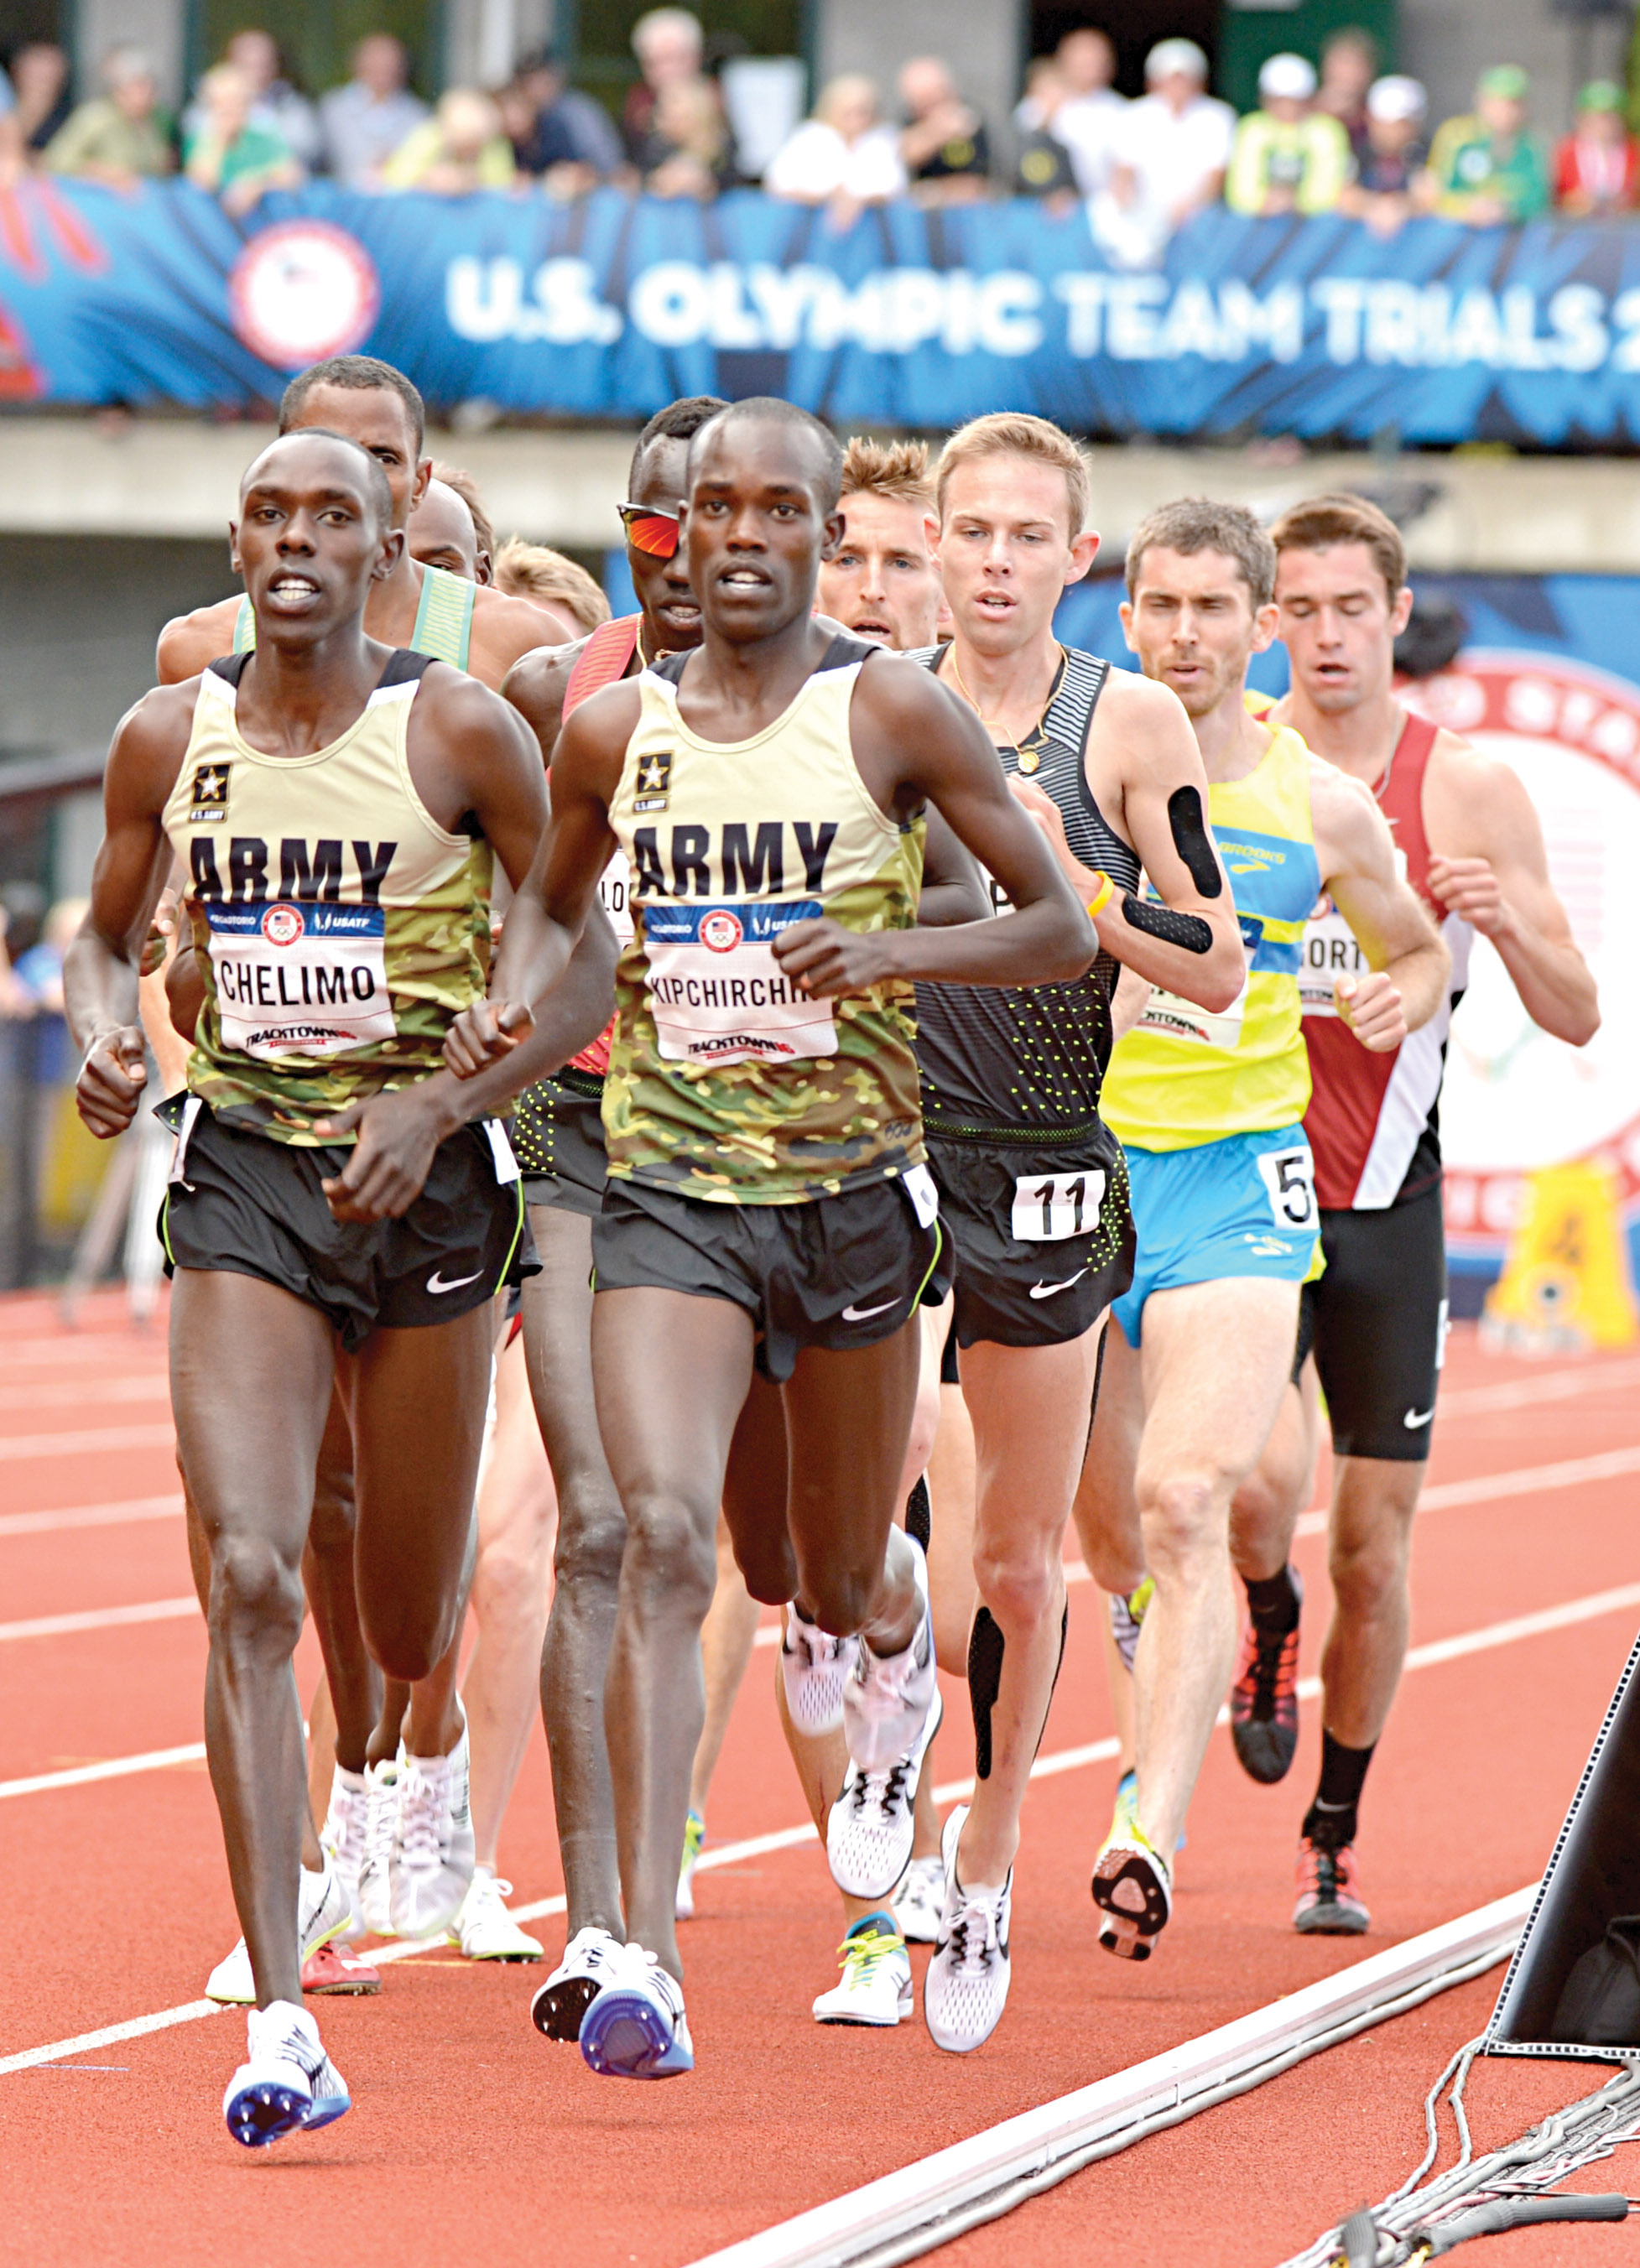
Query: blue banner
(611, 308)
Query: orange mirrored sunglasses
(655, 534)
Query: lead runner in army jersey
(337, 806)
(768, 1203)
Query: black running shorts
(1043, 1235)
(558, 1132)
(250, 1206)
(836, 1272)
(1380, 1327)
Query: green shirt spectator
(229, 155)
(1287, 157)
(120, 137)
(1486, 167)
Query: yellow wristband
(1106, 892)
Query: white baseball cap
(1393, 100)
(1287, 78)
(1169, 57)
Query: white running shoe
(381, 1818)
(919, 1901)
(870, 1831)
(321, 1913)
(484, 1928)
(431, 1864)
(876, 1977)
(815, 1669)
(342, 1837)
(590, 1960)
(965, 1990)
(286, 2082)
(636, 2028)
(887, 1701)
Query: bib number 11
(1289, 1183)
(1050, 1206)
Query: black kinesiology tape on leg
(1193, 843)
(1187, 929)
(985, 1682)
(918, 1516)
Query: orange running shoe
(332, 1970)
(1329, 1895)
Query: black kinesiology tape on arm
(1193, 843)
(1188, 930)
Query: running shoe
(888, 1699)
(321, 1913)
(870, 1831)
(1125, 1815)
(876, 1977)
(815, 1669)
(920, 1900)
(484, 1928)
(432, 1846)
(636, 2028)
(590, 1959)
(335, 1971)
(1133, 1886)
(343, 1837)
(1264, 1699)
(381, 1819)
(1329, 1893)
(694, 1844)
(1128, 1614)
(286, 2082)
(965, 1990)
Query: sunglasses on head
(656, 534)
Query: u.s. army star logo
(209, 798)
(654, 781)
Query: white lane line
(21, 1447)
(786, 1839)
(1548, 1386)
(1490, 1488)
(153, 1610)
(191, 1752)
(80, 1394)
(89, 1515)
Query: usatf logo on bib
(208, 799)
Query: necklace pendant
(1029, 759)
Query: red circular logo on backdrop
(1514, 1099)
(301, 291)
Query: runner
(423, 607)
(559, 1134)
(1472, 849)
(449, 529)
(1032, 1183)
(761, 1213)
(1208, 1108)
(293, 1216)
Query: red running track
(472, 2138)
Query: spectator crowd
(1342, 139)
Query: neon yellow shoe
(694, 1844)
(1133, 1886)
(1128, 1614)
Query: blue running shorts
(1243, 1206)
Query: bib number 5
(1048, 1207)
(1289, 1182)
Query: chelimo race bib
(299, 980)
(718, 994)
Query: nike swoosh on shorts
(1046, 1290)
(858, 1314)
(1416, 1417)
(436, 1283)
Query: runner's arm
(101, 971)
(190, 643)
(1411, 966)
(1164, 806)
(953, 887)
(915, 742)
(1498, 878)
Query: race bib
(302, 980)
(1181, 1020)
(718, 994)
(1288, 1177)
(615, 891)
(1331, 951)
(1048, 1207)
